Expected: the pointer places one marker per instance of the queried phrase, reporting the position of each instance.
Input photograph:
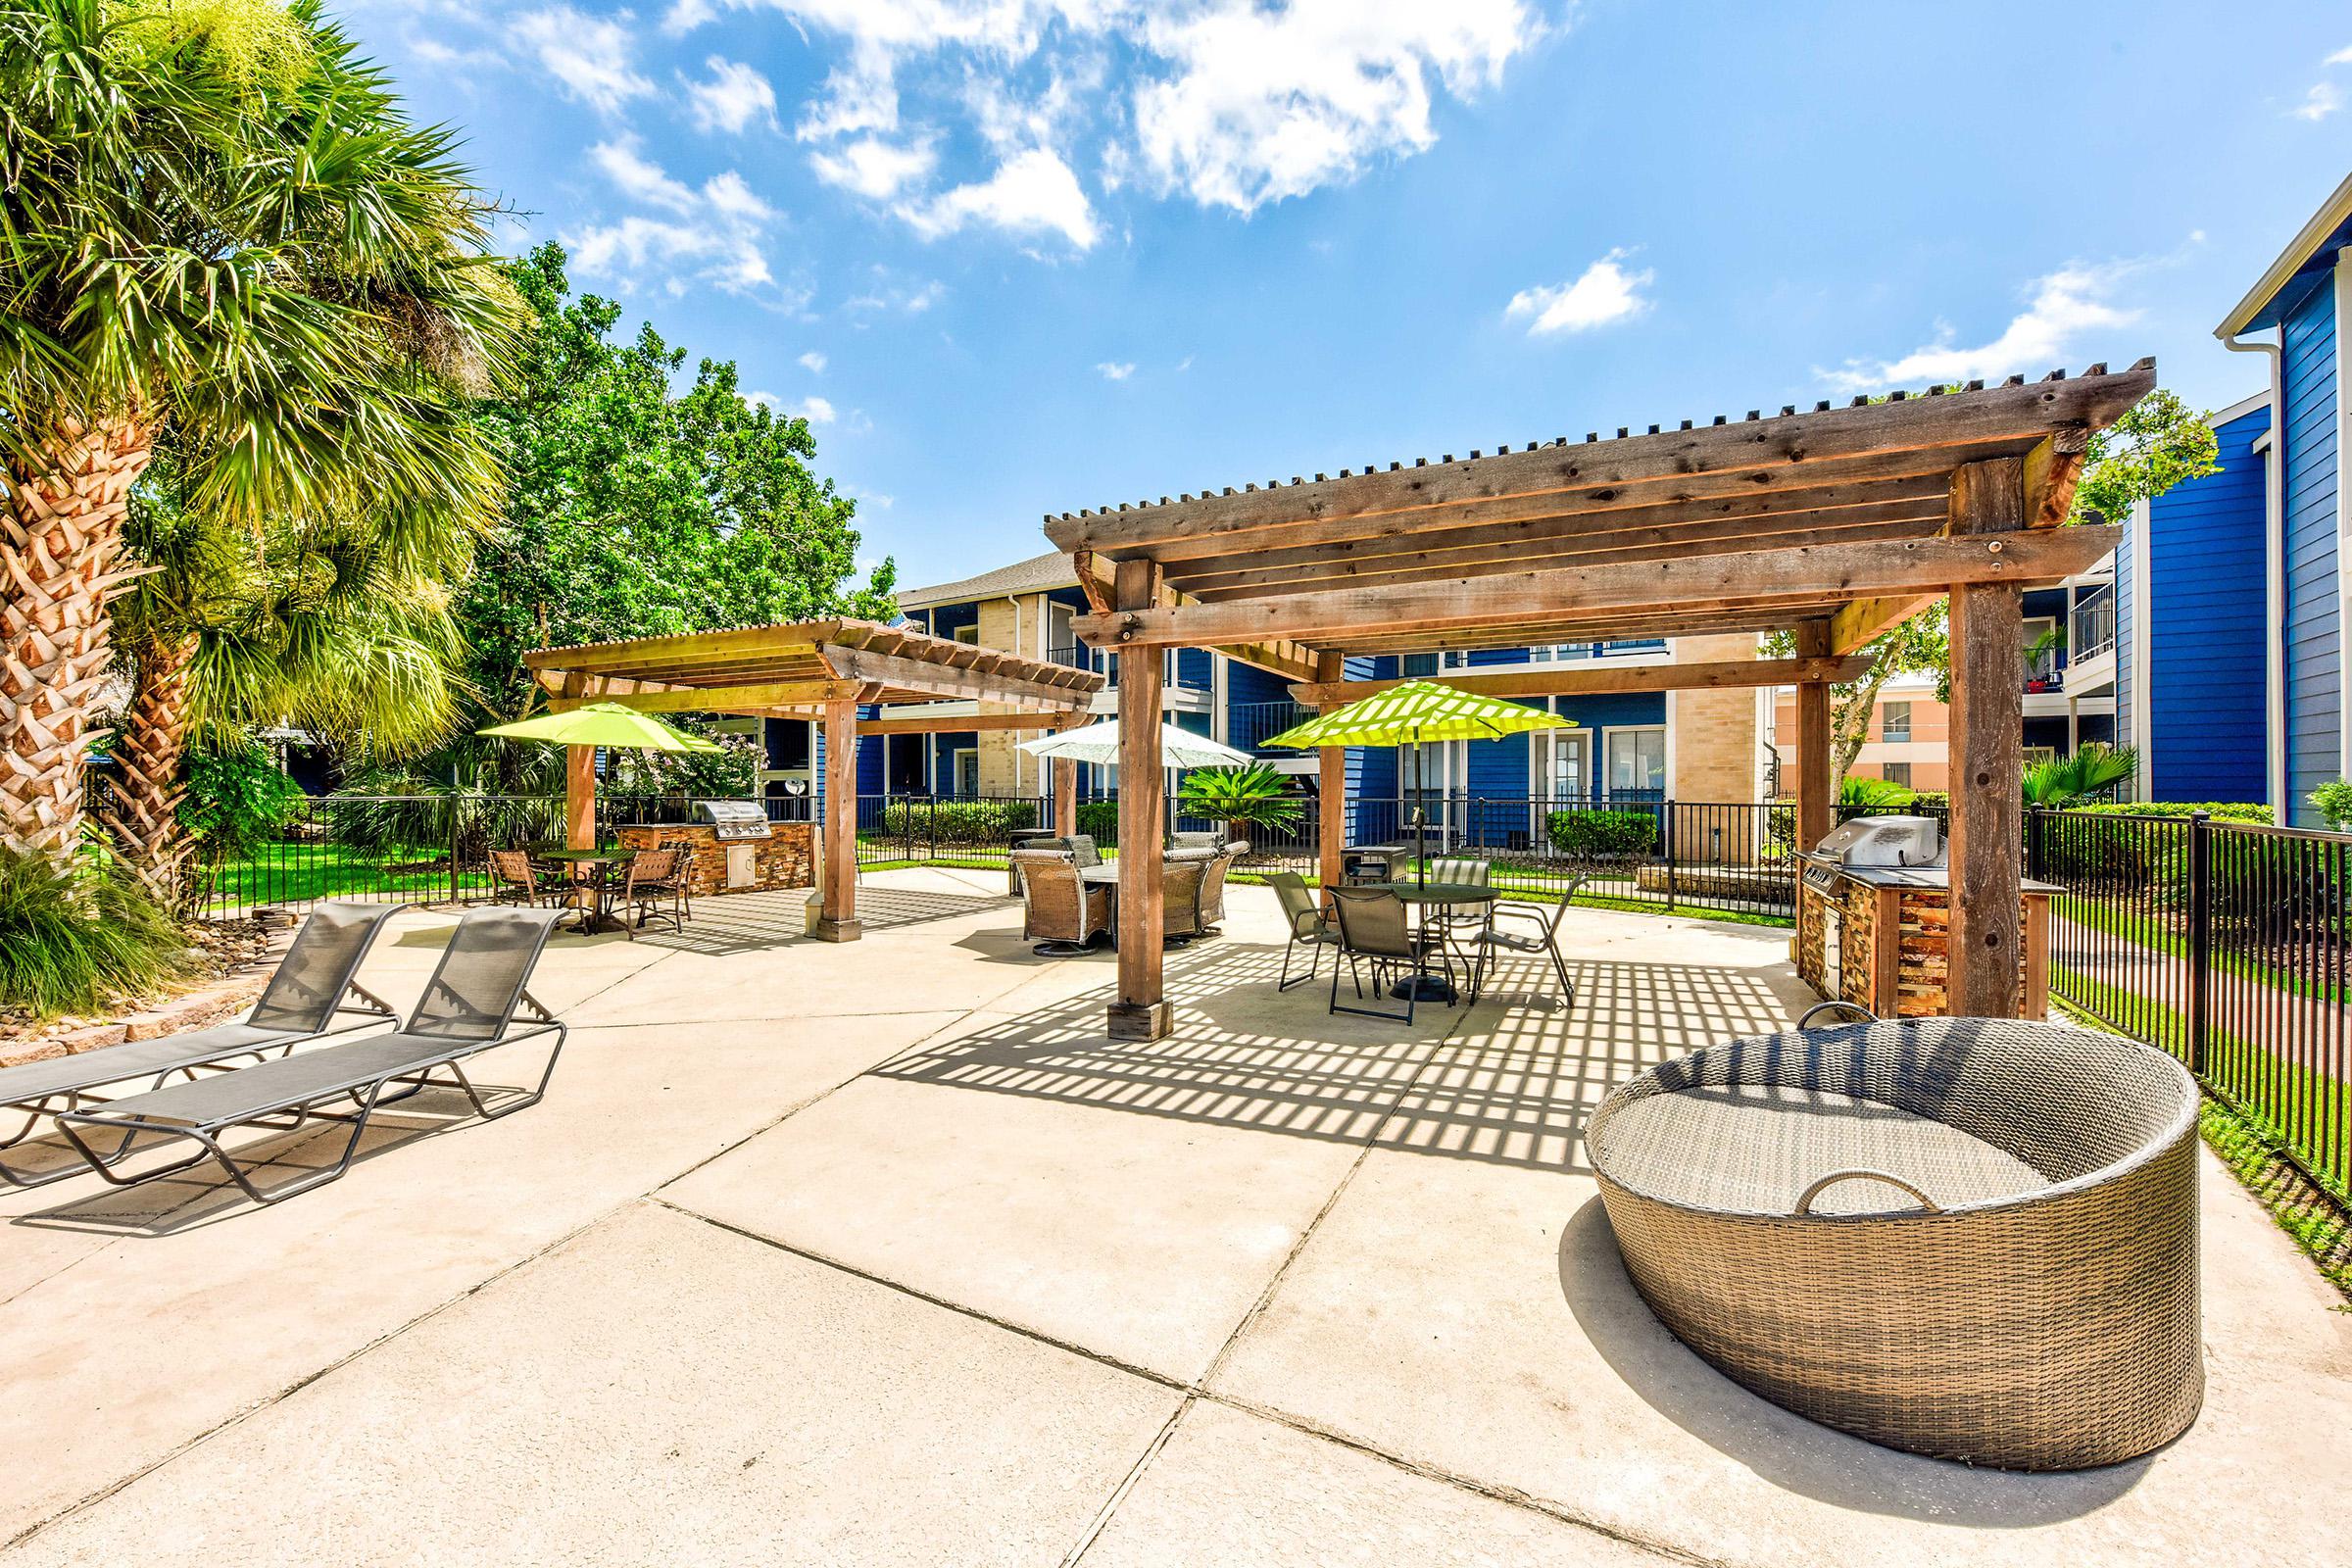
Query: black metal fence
(2223, 943)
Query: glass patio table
(1432, 896)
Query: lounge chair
(469, 1006)
(313, 982)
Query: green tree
(225, 236)
(2157, 444)
(634, 508)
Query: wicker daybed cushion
(2022, 1293)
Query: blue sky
(1024, 256)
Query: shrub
(79, 941)
(393, 815)
(1100, 820)
(2333, 802)
(2218, 810)
(965, 822)
(238, 799)
(1602, 834)
(1256, 796)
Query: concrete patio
(881, 1253)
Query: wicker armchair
(1180, 887)
(1374, 925)
(1196, 841)
(1059, 912)
(650, 888)
(1212, 892)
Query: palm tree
(221, 233)
(343, 628)
(2088, 771)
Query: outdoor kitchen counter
(1924, 876)
(785, 859)
(1880, 934)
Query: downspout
(2273, 530)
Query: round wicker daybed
(1965, 1237)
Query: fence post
(2200, 935)
(457, 836)
(1666, 840)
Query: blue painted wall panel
(2206, 628)
(2313, 654)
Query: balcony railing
(2092, 631)
(1247, 724)
(1079, 655)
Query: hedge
(1600, 835)
(957, 821)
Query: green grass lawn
(301, 873)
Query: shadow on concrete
(170, 1205)
(1785, 1448)
(1508, 1081)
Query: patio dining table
(1432, 896)
(588, 870)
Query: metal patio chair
(1374, 925)
(516, 878)
(313, 982)
(650, 888)
(1545, 939)
(685, 877)
(469, 1006)
(1310, 927)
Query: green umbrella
(1413, 712)
(602, 725)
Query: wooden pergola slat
(1832, 524)
(830, 666)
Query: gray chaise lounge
(313, 982)
(469, 1006)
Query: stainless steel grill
(734, 822)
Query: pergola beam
(993, 685)
(1818, 441)
(752, 699)
(960, 723)
(1531, 601)
(1709, 677)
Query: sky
(1019, 257)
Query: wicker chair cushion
(1765, 1144)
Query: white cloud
(872, 168)
(733, 97)
(817, 411)
(639, 178)
(2324, 99)
(589, 55)
(1601, 293)
(912, 301)
(2070, 302)
(814, 362)
(1262, 104)
(1114, 370)
(715, 234)
(2342, 57)
(1032, 192)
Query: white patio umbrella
(1100, 742)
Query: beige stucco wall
(1714, 731)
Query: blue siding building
(2190, 669)
(2290, 317)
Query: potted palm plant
(1242, 797)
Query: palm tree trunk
(150, 749)
(61, 542)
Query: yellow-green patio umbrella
(1413, 712)
(602, 725)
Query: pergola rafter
(1833, 524)
(819, 669)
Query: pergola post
(1816, 786)
(838, 919)
(1065, 797)
(579, 819)
(1140, 1012)
(1988, 744)
(1331, 785)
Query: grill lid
(1883, 841)
(734, 822)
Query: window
(1571, 773)
(967, 771)
(1636, 761)
(1894, 723)
(1896, 773)
(968, 634)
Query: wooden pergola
(1833, 524)
(815, 669)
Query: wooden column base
(829, 929)
(1140, 1020)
